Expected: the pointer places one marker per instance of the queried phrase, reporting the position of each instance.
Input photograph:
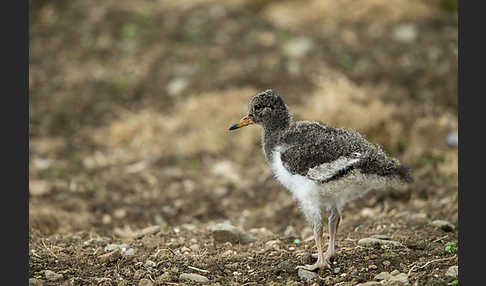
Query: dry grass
(295, 14)
(196, 125)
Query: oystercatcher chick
(322, 166)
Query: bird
(323, 167)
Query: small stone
(381, 236)
(224, 232)
(337, 270)
(129, 251)
(452, 139)
(453, 271)
(146, 231)
(405, 33)
(386, 263)
(404, 215)
(298, 47)
(443, 224)
(282, 264)
(110, 256)
(374, 241)
(383, 276)
(398, 280)
(418, 216)
(344, 283)
(106, 219)
(306, 275)
(113, 246)
(149, 264)
(394, 272)
(120, 213)
(193, 277)
(52, 276)
(39, 188)
(227, 253)
(35, 282)
(185, 249)
(370, 283)
(373, 267)
(145, 282)
(177, 85)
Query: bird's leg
(321, 261)
(333, 223)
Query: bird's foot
(327, 256)
(317, 265)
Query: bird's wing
(327, 171)
(316, 164)
(321, 152)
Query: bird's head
(266, 108)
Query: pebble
(35, 282)
(122, 247)
(145, 282)
(337, 270)
(227, 253)
(453, 271)
(129, 251)
(224, 232)
(306, 275)
(394, 272)
(146, 231)
(383, 276)
(149, 264)
(398, 280)
(97, 241)
(39, 188)
(386, 263)
(110, 256)
(370, 283)
(443, 224)
(373, 267)
(452, 139)
(405, 33)
(370, 241)
(381, 236)
(185, 249)
(177, 85)
(52, 276)
(298, 47)
(193, 277)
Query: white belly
(304, 190)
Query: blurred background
(130, 104)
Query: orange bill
(245, 121)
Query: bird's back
(308, 145)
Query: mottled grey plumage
(309, 144)
(324, 167)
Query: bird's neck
(271, 137)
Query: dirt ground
(130, 104)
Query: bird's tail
(404, 173)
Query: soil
(130, 103)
